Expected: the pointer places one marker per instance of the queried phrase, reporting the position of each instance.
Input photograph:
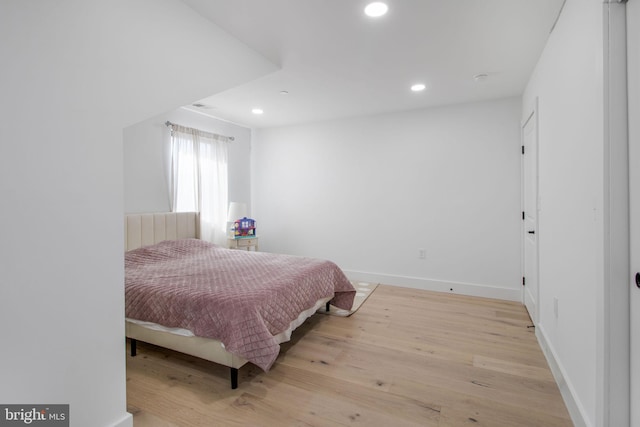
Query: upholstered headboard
(147, 229)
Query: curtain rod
(168, 124)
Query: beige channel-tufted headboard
(148, 229)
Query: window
(199, 179)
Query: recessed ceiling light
(201, 105)
(257, 111)
(284, 92)
(376, 9)
(480, 77)
(418, 87)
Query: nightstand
(245, 243)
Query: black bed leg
(134, 345)
(234, 378)
(328, 304)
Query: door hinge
(523, 149)
(523, 215)
(522, 280)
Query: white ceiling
(335, 62)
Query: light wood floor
(406, 358)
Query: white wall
(368, 192)
(147, 157)
(73, 75)
(568, 82)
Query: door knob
(532, 232)
(638, 280)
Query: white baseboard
(576, 410)
(471, 289)
(126, 421)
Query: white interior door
(633, 79)
(530, 214)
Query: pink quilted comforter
(240, 298)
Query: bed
(226, 306)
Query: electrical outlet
(422, 254)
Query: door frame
(533, 111)
(613, 326)
(633, 98)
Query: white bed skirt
(184, 341)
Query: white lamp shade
(237, 210)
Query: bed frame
(148, 229)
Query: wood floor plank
(514, 368)
(318, 397)
(461, 409)
(405, 358)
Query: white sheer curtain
(199, 179)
